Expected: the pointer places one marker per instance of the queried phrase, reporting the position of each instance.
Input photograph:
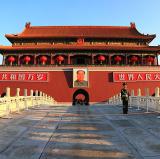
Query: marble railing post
(40, 93)
(139, 92)
(46, 98)
(36, 92)
(40, 98)
(17, 99)
(130, 98)
(157, 92)
(17, 92)
(132, 92)
(8, 103)
(25, 92)
(117, 99)
(25, 99)
(157, 103)
(114, 99)
(32, 99)
(43, 97)
(120, 100)
(147, 92)
(7, 92)
(36, 97)
(31, 92)
(138, 98)
(147, 95)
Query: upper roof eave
(110, 32)
(77, 47)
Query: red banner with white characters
(24, 76)
(135, 76)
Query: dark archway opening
(80, 97)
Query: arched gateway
(80, 96)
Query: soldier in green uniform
(125, 98)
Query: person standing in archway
(125, 98)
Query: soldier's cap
(124, 83)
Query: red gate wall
(59, 86)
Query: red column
(69, 60)
(126, 60)
(52, 59)
(142, 59)
(19, 56)
(109, 58)
(35, 59)
(93, 59)
(3, 62)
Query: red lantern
(60, 59)
(118, 59)
(11, 59)
(134, 59)
(150, 59)
(101, 58)
(43, 59)
(27, 59)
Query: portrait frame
(85, 82)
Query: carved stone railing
(18, 103)
(116, 99)
(147, 102)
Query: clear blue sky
(15, 13)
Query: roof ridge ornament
(80, 41)
(133, 25)
(28, 24)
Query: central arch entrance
(81, 97)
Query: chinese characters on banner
(135, 76)
(24, 76)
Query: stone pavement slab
(80, 132)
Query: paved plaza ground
(80, 132)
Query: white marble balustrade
(147, 102)
(18, 103)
